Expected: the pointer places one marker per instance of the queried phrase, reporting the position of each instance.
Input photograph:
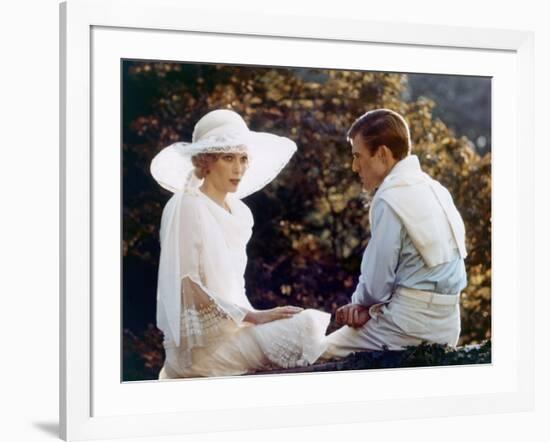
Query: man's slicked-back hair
(383, 127)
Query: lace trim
(203, 324)
(239, 148)
(204, 320)
(294, 345)
(219, 143)
(200, 327)
(285, 353)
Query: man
(412, 270)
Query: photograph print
(297, 220)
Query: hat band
(239, 148)
(215, 144)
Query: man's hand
(354, 315)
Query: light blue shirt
(391, 260)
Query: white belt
(429, 297)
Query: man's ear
(384, 153)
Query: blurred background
(311, 224)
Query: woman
(210, 328)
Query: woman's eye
(228, 157)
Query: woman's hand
(353, 315)
(274, 314)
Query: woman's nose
(239, 167)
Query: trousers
(408, 319)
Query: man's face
(372, 169)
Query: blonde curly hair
(202, 162)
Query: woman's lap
(289, 342)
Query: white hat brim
(268, 154)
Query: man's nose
(354, 166)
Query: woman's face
(226, 172)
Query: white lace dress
(201, 299)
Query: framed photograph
(137, 77)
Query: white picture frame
(91, 406)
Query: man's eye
(228, 157)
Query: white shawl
(426, 209)
(202, 263)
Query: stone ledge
(425, 355)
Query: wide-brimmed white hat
(217, 132)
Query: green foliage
(143, 355)
(311, 225)
(436, 355)
(425, 355)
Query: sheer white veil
(203, 248)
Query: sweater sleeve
(381, 257)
